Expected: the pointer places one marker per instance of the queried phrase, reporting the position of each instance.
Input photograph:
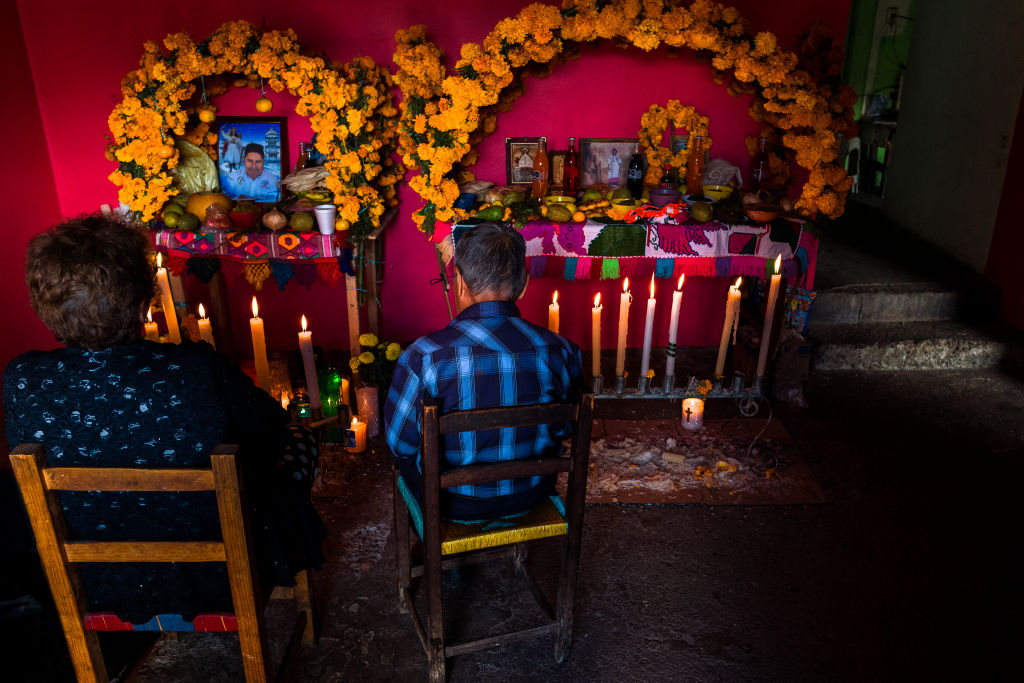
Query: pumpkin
(199, 202)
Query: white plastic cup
(325, 214)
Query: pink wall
(31, 199)
(80, 52)
(1003, 266)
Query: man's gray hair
(492, 258)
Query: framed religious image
(679, 142)
(252, 156)
(605, 160)
(519, 156)
(556, 161)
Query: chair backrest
(435, 425)
(39, 485)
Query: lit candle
(732, 309)
(620, 353)
(645, 359)
(595, 335)
(152, 331)
(285, 401)
(205, 330)
(356, 436)
(259, 348)
(167, 302)
(553, 313)
(693, 413)
(309, 365)
(673, 327)
(769, 315)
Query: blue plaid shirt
(487, 357)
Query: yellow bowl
(717, 191)
(559, 199)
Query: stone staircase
(912, 308)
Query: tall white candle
(205, 329)
(152, 331)
(620, 353)
(259, 348)
(595, 335)
(732, 309)
(673, 327)
(167, 302)
(769, 316)
(645, 359)
(309, 365)
(553, 313)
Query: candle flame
(597, 300)
(652, 286)
(625, 285)
(554, 299)
(202, 311)
(149, 314)
(255, 308)
(682, 279)
(303, 323)
(159, 259)
(355, 421)
(778, 262)
(738, 281)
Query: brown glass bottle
(571, 170)
(695, 167)
(540, 172)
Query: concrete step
(896, 302)
(917, 345)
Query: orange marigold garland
(655, 122)
(349, 107)
(442, 117)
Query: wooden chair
(448, 544)
(39, 484)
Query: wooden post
(220, 316)
(352, 296)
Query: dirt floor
(910, 569)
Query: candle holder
(598, 384)
(620, 385)
(641, 386)
(667, 385)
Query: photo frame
(605, 160)
(519, 156)
(679, 142)
(556, 164)
(261, 180)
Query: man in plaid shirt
(487, 357)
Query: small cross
(687, 411)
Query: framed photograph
(519, 156)
(556, 162)
(679, 142)
(252, 156)
(605, 160)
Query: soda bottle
(695, 167)
(571, 170)
(635, 176)
(760, 167)
(540, 172)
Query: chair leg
(435, 621)
(304, 603)
(567, 593)
(403, 561)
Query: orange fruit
(165, 152)
(579, 216)
(264, 104)
(207, 115)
